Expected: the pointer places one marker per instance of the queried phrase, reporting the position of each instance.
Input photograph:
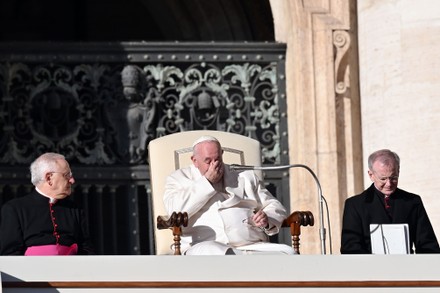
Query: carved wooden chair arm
(175, 222)
(295, 221)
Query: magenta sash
(53, 249)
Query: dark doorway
(136, 20)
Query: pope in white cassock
(230, 212)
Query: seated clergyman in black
(384, 203)
(45, 222)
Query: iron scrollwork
(104, 114)
(54, 107)
(239, 98)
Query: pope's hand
(215, 172)
(260, 219)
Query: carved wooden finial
(295, 221)
(175, 222)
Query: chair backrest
(171, 152)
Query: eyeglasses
(392, 179)
(67, 175)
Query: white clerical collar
(51, 199)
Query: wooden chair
(171, 152)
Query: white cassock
(219, 215)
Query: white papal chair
(171, 152)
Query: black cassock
(27, 222)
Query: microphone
(236, 167)
(321, 198)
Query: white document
(389, 238)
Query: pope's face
(207, 153)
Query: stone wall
(399, 43)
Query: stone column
(323, 109)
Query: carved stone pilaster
(341, 42)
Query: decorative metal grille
(100, 105)
(239, 98)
